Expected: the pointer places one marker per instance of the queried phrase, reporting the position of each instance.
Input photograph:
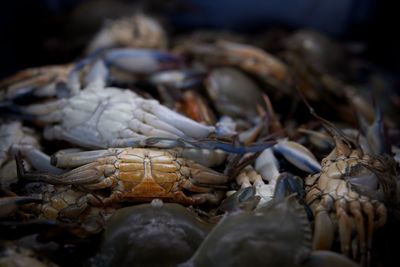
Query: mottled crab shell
(275, 235)
(151, 234)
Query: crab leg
(153, 121)
(187, 184)
(43, 110)
(203, 175)
(9, 205)
(355, 209)
(381, 213)
(140, 60)
(85, 140)
(37, 158)
(299, 156)
(97, 75)
(345, 226)
(213, 198)
(72, 159)
(146, 127)
(89, 173)
(324, 230)
(184, 124)
(369, 211)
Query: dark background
(40, 32)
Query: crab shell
(135, 175)
(151, 234)
(276, 235)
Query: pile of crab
(202, 149)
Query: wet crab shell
(144, 234)
(276, 235)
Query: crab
(353, 190)
(137, 31)
(40, 82)
(249, 58)
(134, 235)
(111, 117)
(135, 175)
(349, 194)
(278, 234)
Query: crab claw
(180, 79)
(184, 124)
(243, 199)
(143, 61)
(9, 205)
(298, 155)
(288, 184)
(36, 82)
(267, 165)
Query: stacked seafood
(201, 149)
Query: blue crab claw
(180, 79)
(133, 61)
(9, 205)
(38, 159)
(141, 61)
(40, 82)
(243, 199)
(288, 184)
(97, 75)
(298, 155)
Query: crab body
(348, 194)
(135, 175)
